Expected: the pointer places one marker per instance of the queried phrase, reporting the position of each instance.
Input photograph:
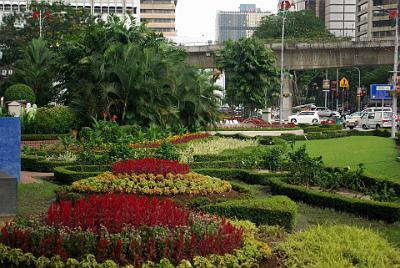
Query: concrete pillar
(8, 195)
(287, 97)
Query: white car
(306, 117)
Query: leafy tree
(303, 25)
(250, 71)
(36, 69)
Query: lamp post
(358, 89)
(394, 14)
(395, 68)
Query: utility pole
(395, 68)
(358, 97)
(282, 74)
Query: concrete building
(340, 17)
(159, 15)
(96, 7)
(372, 22)
(316, 6)
(237, 24)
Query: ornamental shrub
(52, 120)
(19, 92)
(338, 246)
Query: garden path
(31, 177)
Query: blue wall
(10, 146)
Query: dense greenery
(338, 246)
(19, 92)
(303, 25)
(250, 72)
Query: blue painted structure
(381, 91)
(10, 146)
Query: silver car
(325, 112)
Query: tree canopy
(303, 25)
(250, 72)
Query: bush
(338, 246)
(69, 174)
(52, 120)
(276, 210)
(40, 164)
(19, 92)
(40, 137)
(389, 212)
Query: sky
(195, 19)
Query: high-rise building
(316, 6)
(373, 22)
(340, 17)
(159, 15)
(237, 24)
(96, 7)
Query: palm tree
(36, 69)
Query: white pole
(395, 68)
(40, 24)
(282, 75)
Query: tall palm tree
(36, 69)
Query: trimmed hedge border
(276, 210)
(39, 137)
(69, 174)
(387, 211)
(40, 164)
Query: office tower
(237, 24)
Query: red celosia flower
(150, 165)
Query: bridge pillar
(287, 97)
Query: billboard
(381, 91)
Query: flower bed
(169, 184)
(178, 139)
(150, 166)
(127, 229)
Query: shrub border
(387, 211)
(67, 174)
(40, 164)
(39, 137)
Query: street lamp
(284, 7)
(394, 14)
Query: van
(376, 120)
(377, 109)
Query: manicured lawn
(35, 198)
(376, 153)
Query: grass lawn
(35, 198)
(376, 153)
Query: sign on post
(344, 83)
(326, 84)
(381, 91)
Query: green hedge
(389, 212)
(386, 211)
(40, 164)
(69, 174)
(215, 164)
(39, 137)
(276, 210)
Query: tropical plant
(250, 72)
(36, 69)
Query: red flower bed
(116, 211)
(150, 165)
(127, 229)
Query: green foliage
(299, 25)
(338, 246)
(167, 151)
(51, 120)
(36, 69)
(250, 71)
(69, 174)
(40, 164)
(40, 137)
(19, 92)
(277, 210)
(274, 159)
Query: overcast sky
(195, 19)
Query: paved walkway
(31, 177)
